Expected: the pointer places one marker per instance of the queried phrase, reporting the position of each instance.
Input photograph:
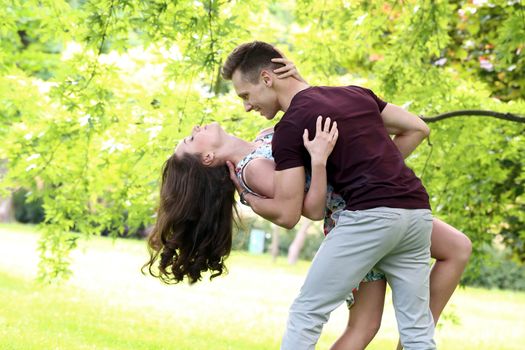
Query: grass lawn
(109, 304)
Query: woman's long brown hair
(193, 231)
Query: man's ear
(208, 158)
(267, 78)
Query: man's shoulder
(287, 123)
(320, 88)
(312, 96)
(348, 89)
(304, 103)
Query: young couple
(381, 228)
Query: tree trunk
(274, 246)
(297, 245)
(7, 212)
(6, 209)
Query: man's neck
(288, 92)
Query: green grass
(108, 304)
(66, 318)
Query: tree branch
(475, 113)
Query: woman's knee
(450, 244)
(464, 249)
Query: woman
(190, 237)
(193, 231)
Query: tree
(94, 94)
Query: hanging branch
(102, 42)
(475, 113)
(100, 48)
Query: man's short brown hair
(250, 59)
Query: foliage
(94, 94)
(25, 210)
(499, 272)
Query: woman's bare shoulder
(258, 175)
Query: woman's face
(203, 139)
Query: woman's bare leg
(451, 249)
(365, 317)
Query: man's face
(259, 97)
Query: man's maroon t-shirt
(365, 167)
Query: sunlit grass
(108, 304)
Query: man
(387, 220)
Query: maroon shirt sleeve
(380, 103)
(287, 145)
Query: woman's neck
(237, 149)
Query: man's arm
(408, 129)
(284, 209)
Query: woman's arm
(314, 203)
(259, 173)
(320, 147)
(288, 69)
